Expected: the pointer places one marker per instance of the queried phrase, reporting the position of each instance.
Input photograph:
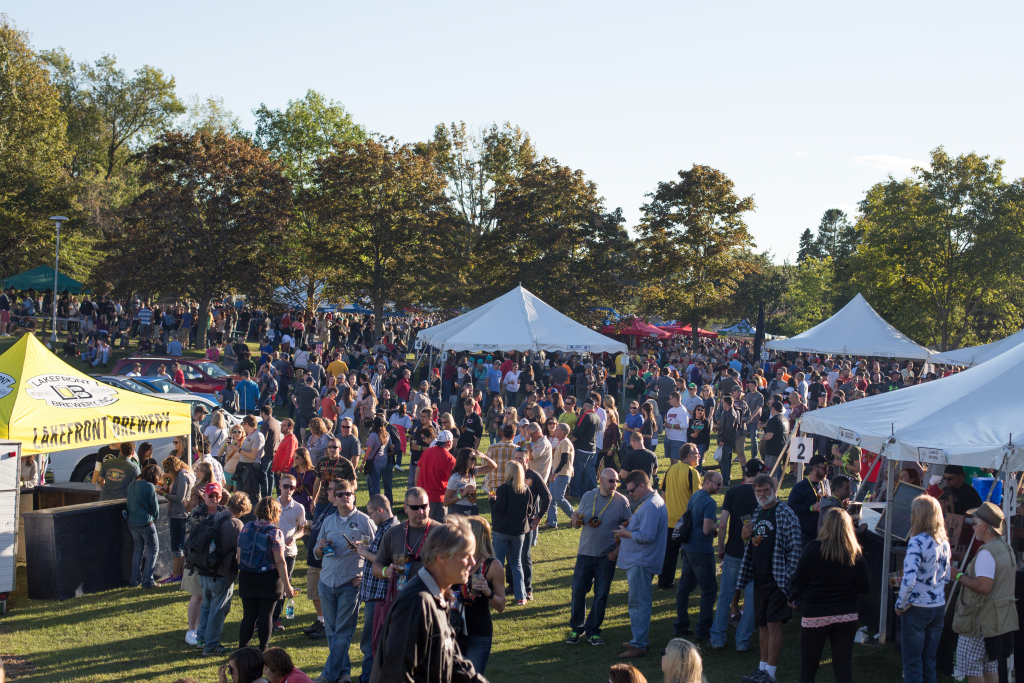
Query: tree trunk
(378, 320)
(204, 322)
(694, 334)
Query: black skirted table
(85, 548)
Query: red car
(201, 376)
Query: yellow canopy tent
(48, 406)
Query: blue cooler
(982, 486)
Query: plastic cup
(895, 578)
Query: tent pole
(188, 458)
(886, 559)
(1008, 482)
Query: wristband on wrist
(957, 579)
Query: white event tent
(976, 355)
(855, 330)
(962, 419)
(517, 321)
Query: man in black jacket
(417, 641)
(805, 497)
(584, 439)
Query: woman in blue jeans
(511, 512)
(143, 511)
(922, 598)
(485, 590)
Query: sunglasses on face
(630, 490)
(344, 494)
(346, 427)
(417, 507)
(287, 487)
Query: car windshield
(165, 387)
(213, 370)
(140, 387)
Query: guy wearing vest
(681, 481)
(986, 612)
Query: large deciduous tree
(33, 154)
(383, 206)
(479, 167)
(760, 295)
(210, 211)
(296, 136)
(553, 235)
(942, 250)
(692, 242)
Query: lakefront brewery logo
(6, 384)
(69, 391)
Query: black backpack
(203, 550)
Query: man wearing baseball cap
(986, 612)
(434, 469)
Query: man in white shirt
(136, 371)
(292, 524)
(540, 451)
(677, 419)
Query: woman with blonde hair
(216, 431)
(486, 589)
(922, 596)
(828, 578)
(681, 663)
(511, 513)
(318, 439)
(446, 421)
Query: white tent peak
(854, 330)
(976, 355)
(517, 321)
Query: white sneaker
(399, 469)
(191, 638)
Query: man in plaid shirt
(770, 558)
(373, 590)
(501, 453)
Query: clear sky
(803, 105)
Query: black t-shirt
(474, 430)
(964, 498)
(778, 427)
(699, 432)
(814, 391)
(739, 500)
(642, 459)
(761, 553)
(305, 397)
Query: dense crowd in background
(566, 433)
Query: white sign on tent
(802, 449)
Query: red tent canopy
(636, 328)
(688, 331)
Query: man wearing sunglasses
(292, 524)
(602, 510)
(341, 576)
(332, 466)
(642, 555)
(405, 539)
(805, 498)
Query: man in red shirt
(434, 470)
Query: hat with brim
(990, 514)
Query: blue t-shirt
(493, 380)
(735, 365)
(634, 421)
(702, 506)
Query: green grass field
(135, 635)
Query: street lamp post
(58, 220)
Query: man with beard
(769, 560)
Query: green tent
(41, 280)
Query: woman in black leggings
(830, 574)
(262, 573)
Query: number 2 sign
(802, 449)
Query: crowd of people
(359, 410)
